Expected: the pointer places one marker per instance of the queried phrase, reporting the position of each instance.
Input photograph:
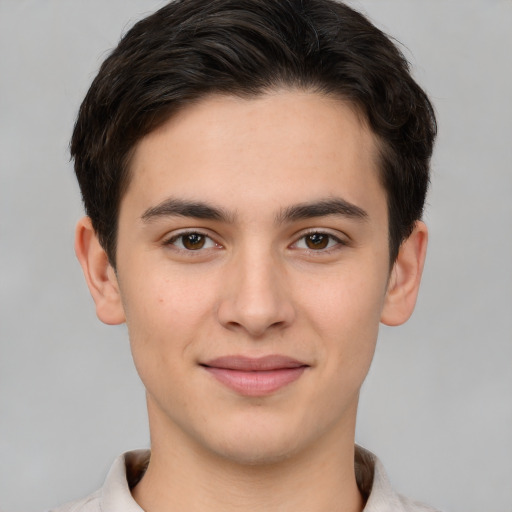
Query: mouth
(259, 376)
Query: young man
(254, 173)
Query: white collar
(115, 496)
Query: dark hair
(192, 48)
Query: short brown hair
(192, 48)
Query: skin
(258, 286)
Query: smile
(255, 376)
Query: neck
(184, 476)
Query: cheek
(164, 316)
(164, 300)
(344, 310)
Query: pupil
(317, 241)
(193, 241)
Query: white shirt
(115, 495)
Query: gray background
(437, 406)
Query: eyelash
(333, 242)
(181, 236)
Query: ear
(99, 274)
(404, 281)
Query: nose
(256, 298)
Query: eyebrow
(200, 210)
(183, 208)
(322, 208)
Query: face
(252, 269)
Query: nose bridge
(256, 297)
(258, 277)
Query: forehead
(271, 150)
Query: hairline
(378, 154)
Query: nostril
(255, 301)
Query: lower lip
(256, 383)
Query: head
(191, 49)
(252, 170)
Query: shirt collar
(128, 469)
(374, 484)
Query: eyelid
(170, 238)
(341, 240)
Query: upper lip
(254, 364)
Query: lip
(258, 376)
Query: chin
(256, 454)
(256, 447)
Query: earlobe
(99, 274)
(404, 281)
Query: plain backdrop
(437, 405)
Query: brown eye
(317, 241)
(193, 241)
